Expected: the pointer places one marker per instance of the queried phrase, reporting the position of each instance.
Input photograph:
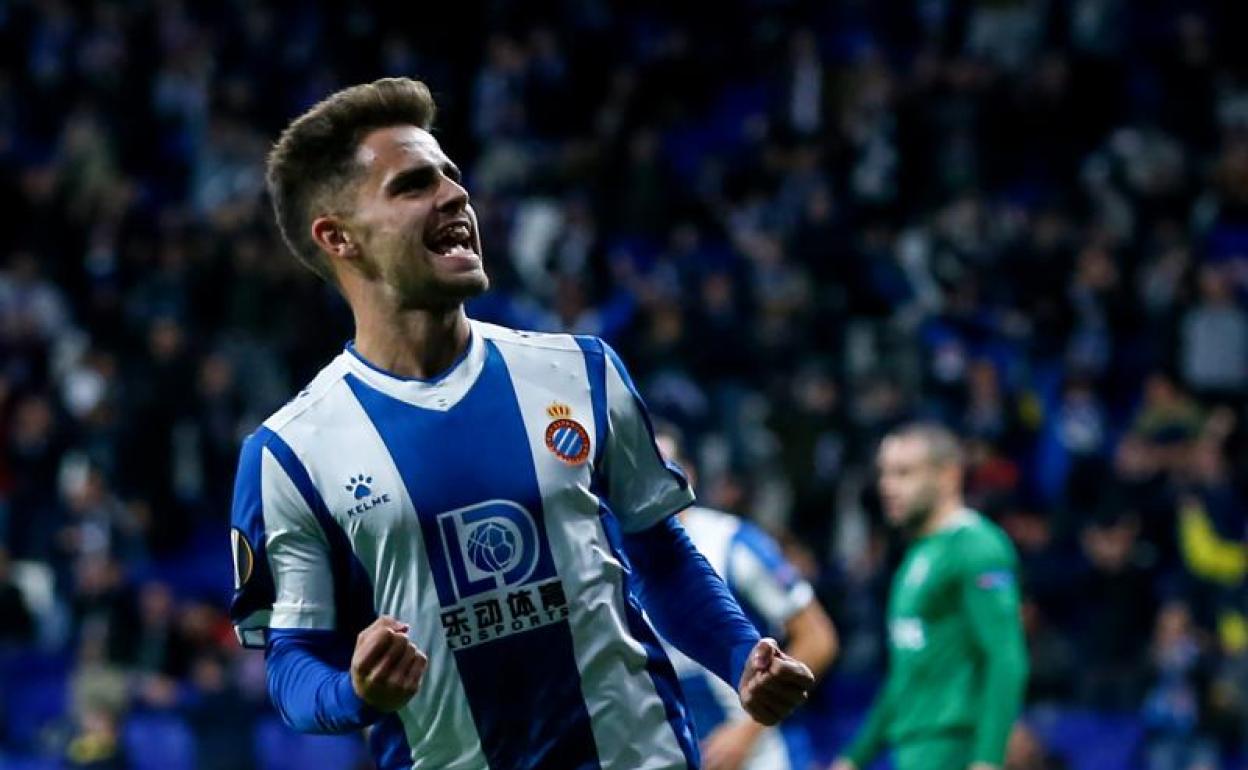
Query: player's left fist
(773, 683)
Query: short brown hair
(942, 444)
(314, 159)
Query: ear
(952, 477)
(332, 236)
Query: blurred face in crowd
(155, 603)
(1109, 546)
(912, 483)
(671, 451)
(411, 228)
(1159, 391)
(1174, 624)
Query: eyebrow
(420, 175)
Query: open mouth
(451, 238)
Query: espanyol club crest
(566, 438)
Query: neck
(411, 343)
(944, 513)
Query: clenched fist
(386, 667)
(773, 683)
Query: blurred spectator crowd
(799, 222)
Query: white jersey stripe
(582, 550)
(389, 544)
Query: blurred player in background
(779, 603)
(957, 657)
(448, 534)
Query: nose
(452, 196)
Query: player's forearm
(688, 601)
(991, 604)
(310, 683)
(1005, 679)
(812, 638)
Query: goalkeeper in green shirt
(957, 660)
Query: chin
(468, 285)
(448, 293)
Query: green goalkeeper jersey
(957, 659)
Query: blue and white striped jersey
(770, 591)
(485, 509)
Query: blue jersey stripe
(658, 666)
(387, 742)
(754, 540)
(704, 708)
(480, 510)
(757, 542)
(797, 744)
(257, 592)
(596, 368)
(353, 591)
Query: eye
(410, 182)
(452, 173)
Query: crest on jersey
(990, 581)
(244, 559)
(566, 438)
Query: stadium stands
(800, 222)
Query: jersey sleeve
(990, 601)
(765, 583)
(642, 488)
(687, 600)
(282, 574)
(869, 740)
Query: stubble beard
(920, 512)
(423, 289)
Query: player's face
(418, 232)
(909, 481)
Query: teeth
(452, 236)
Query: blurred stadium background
(800, 222)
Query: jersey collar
(440, 393)
(962, 518)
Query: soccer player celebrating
(958, 664)
(778, 601)
(449, 534)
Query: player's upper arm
(764, 580)
(989, 584)
(282, 576)
(640, 485)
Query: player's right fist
(386, 667)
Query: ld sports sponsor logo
(501, 583)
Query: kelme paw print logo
(366, 495)
(359, 486)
